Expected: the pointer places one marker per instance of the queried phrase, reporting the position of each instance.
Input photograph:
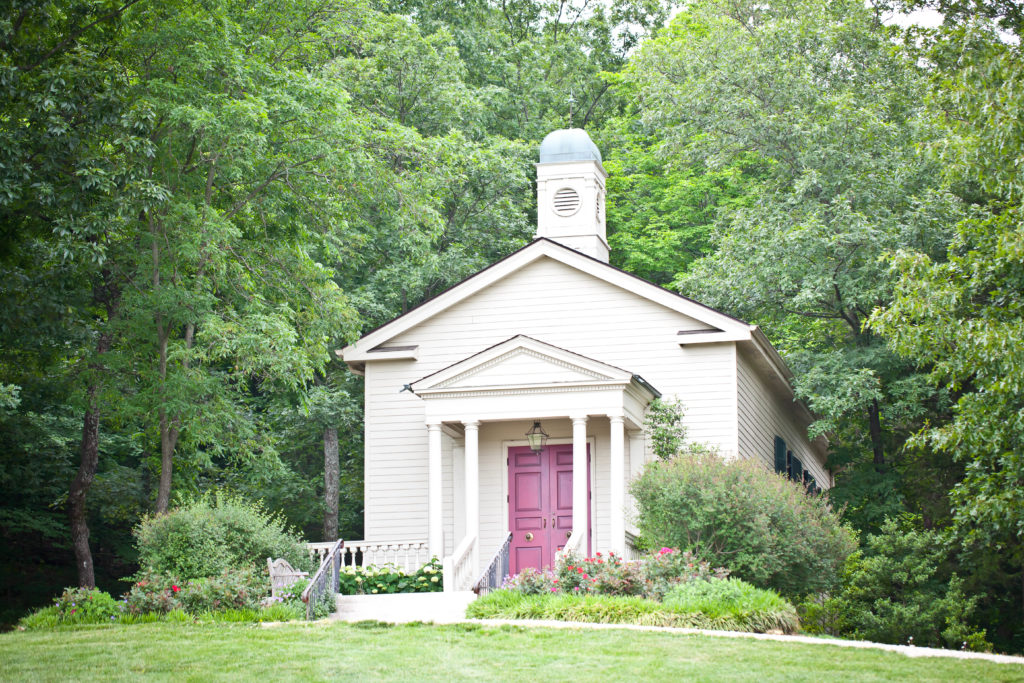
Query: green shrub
(373, 579)
(668, 567)
(766, 529)
(43, 618)
(213, 533)
(324, 605)
(901, 587)
(732, 599)
(86, 606)
(620, 609)
(509, 604)
(233, 589)
(286, 611)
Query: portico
(517, 382)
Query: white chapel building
(553, 339)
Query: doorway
(540, 504)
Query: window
(790, 465)
(781, 456)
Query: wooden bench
(282, 575)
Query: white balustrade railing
(459, 568)
(632, 552)
(406, 555)
(571, 546)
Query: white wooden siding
(763, 414)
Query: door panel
(528, 508)
(540, 504)
(561, 494)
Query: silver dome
(568, 144)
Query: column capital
(433, 426)
(576, 419)
(616, 419)
(471, 424)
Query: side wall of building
(763, 414)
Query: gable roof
(370, 343)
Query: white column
(435, 515)
(579, 483)
(617, 480)
(473, 487)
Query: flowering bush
(602, 574)
(86, 606)
(371, 579)
(610, 574)
(669, 567)
(152, 592)
(292, 595)
(532, 581)
(233, 589)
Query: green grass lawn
(457, 652)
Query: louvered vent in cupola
(566, 201)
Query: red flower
(175, 588)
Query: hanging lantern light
(537, 438)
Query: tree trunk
(168, 439)
(875, 429)
(168, 434)
(89, 456)
(331, 477)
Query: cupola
(570, 192)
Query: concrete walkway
(402, 608)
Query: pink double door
(540, 504)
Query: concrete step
(401, 608)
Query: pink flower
(175, 588)
(665, 551)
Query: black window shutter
(811, 483)
(780, 456)
(796, 469)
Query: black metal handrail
(497, 569)
(326, 582)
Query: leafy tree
(662, 210)
(960, 313)
(536, 65)
(63, 141)
(820, 95)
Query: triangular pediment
(521, 361)
(698, 315)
